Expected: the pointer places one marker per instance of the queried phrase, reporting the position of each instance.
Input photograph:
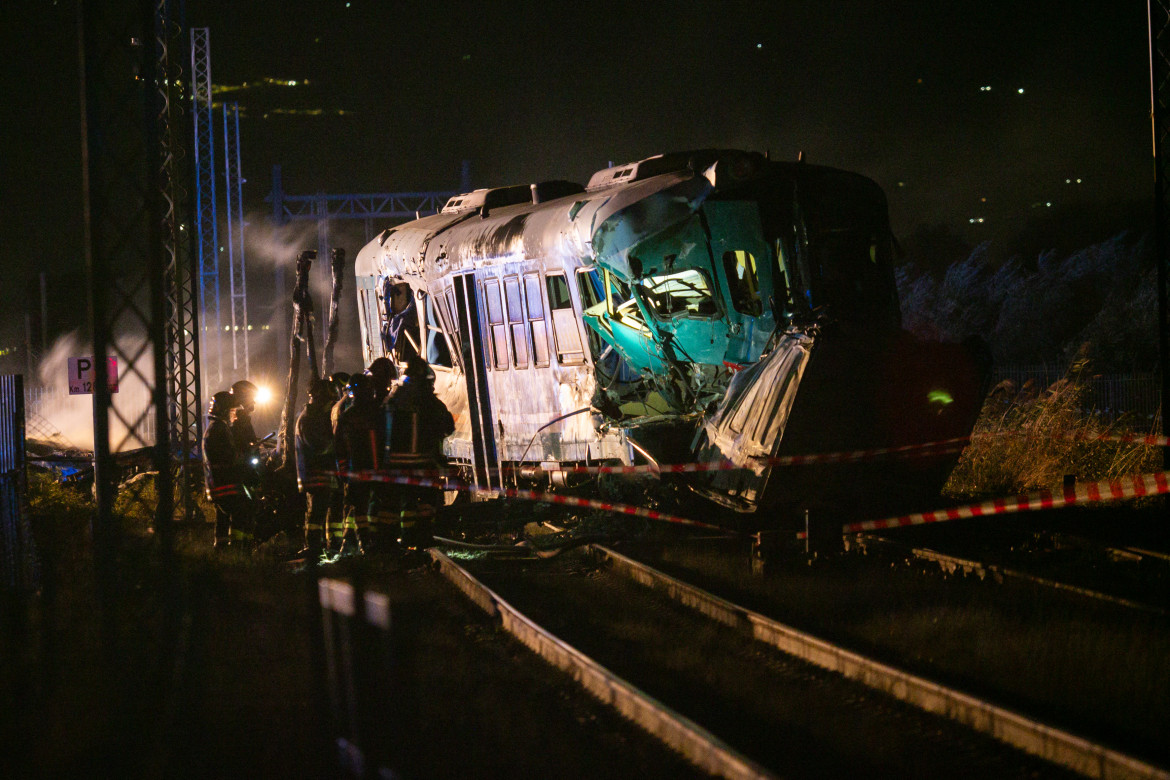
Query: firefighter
(357, 444)
(339, 380)
(336, 518)
(221, 469)
(315, 464)
(416, 423)
(243, 434)
(383, 372)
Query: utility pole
(1159, 30)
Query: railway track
(743, 696)
(950, 563)
(1092, 559)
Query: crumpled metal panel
(833, 393)
(750, 421)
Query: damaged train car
(705, 306)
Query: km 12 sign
(81, 375)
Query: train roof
(557, 217)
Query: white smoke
(66, 420)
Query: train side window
(536, 322)
(743, 282)
(564, 321)
(592, 300)
(495, 315)
(445, 304)
(589, 285)
(438, 350)
(452, 313)
(515, 308)
(369, 306)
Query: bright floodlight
(263, 395)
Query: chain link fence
(1133, 399)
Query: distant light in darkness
(941, 397)
(985, 89)
(1020, 90)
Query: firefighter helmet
(417, 368)
(221, 404)
(245, 391)
(321, 390)
(360, 387)
(383, 371)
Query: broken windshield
(683, 294)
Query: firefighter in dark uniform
(335, 522)
(384, 373)
(243, 433)
(221, 469)
(357, 445)
(340, 380)
(315, 463)
(416, 423)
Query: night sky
(399, 94)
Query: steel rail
(950, 563)
(1031, 736)
(696, 744)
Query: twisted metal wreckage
(706, 306)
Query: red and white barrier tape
(1136, 486)
(928, 449)
(1106, 490)
(1127, 438)
(532, 495)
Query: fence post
(356, 668)
(18, 565)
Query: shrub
(1029, 438)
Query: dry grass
(1032, 438)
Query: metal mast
(179, 379)
(206, 229)
(235, 208)
(1159, 12)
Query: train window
(516, 321)
(564, 321)
(743, 281)
(589, 285)
(536, 322)
(451, 312)
(592, 294)
(683, 294)
(369, 307)
(494, 307)
(438, 351)
(451, 323)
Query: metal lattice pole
(183, 418)
(126, 164)
(1159, 13)
(235, 208)
(206, 228)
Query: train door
(743, 263)
(479, 408)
